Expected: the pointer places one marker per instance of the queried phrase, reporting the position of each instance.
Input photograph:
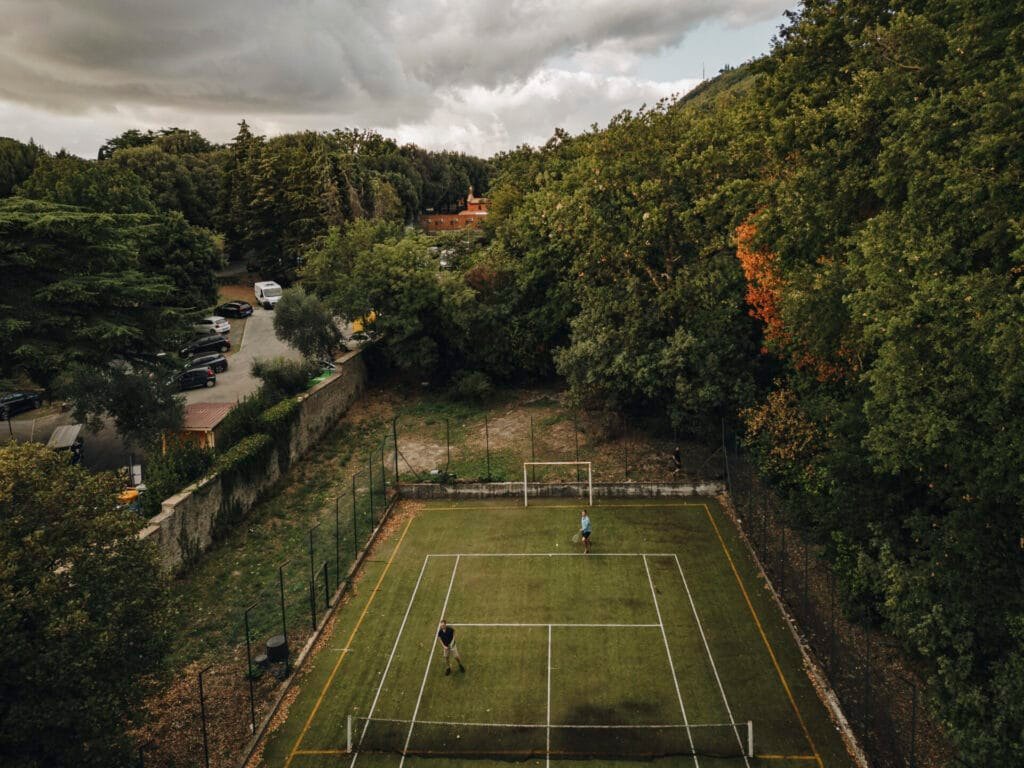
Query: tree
(101, 187)
(17, 161)
(304, 321)
(142, 401)
(84, 610)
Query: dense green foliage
(283, 194)
(825, 249)
(304, 321)
(83, 610)
(284, 378)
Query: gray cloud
(389, 64)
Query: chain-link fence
(219, 703)
(492, 447)
(879, 694)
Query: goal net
(529, 741)
(580, 479)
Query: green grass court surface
(664, 629)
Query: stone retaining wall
(186, 524)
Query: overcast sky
(478, 75)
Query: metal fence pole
(394, 438)
(867, 673)
(337, 541)
(533, 452)
(725, 452)
(370, 460)
(383, 475)
(448, 444)
(487, 446)
(327, 589)
(832, 624)
(312, 603)
(805, 583)
(284, 622)
(913, 724)
(355, 520)
(576, 440)
(202, 717)
(248, 660)
(311, 548)
(782, 564)
(625, 445)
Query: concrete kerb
(311, 642)
(814, 672)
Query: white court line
(391, 658)
(547, 754)
(711, 658)
(671, 665)
(542, 624)
(551, 554)
(426, 672)
(557, 726)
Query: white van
(268, 293)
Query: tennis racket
(576, 538)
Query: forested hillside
(826, 247)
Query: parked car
(267, 293)
(214, 323)
(205, 345)
(194, 378)
(359, 339)
(68, 440)
(234, 309)
(16, 402)
(217, 361)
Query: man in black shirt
(446, 637)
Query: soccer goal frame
(528, 464)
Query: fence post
(782, 563)
(487, 446)
(867, 674)
(284, 623)
(337, 541)
(394, 438)
(202, 717)
(913, 724)
(355, 520)
(533, 452)
(805, 583)
(448, 444)
(312, 603)
(832, 624)
(625, 445)
(725, 453)
(383, 476)
(371, 488)
(576, 439)
(327, 589)
(248, 660)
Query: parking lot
(104, 450)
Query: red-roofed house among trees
(473, 211)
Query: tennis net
(523, 741)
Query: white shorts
(449, 649)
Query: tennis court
(660, 647)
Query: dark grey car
(218, 362)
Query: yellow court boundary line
(342, 656)
(764, 638)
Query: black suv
(206, 344)
(194, 378)
(217, 361)
(16, 402)
(234, 309)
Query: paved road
(259, 340)
(105, 450)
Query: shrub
(284, 378)
(167, 473)
(474, 386)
